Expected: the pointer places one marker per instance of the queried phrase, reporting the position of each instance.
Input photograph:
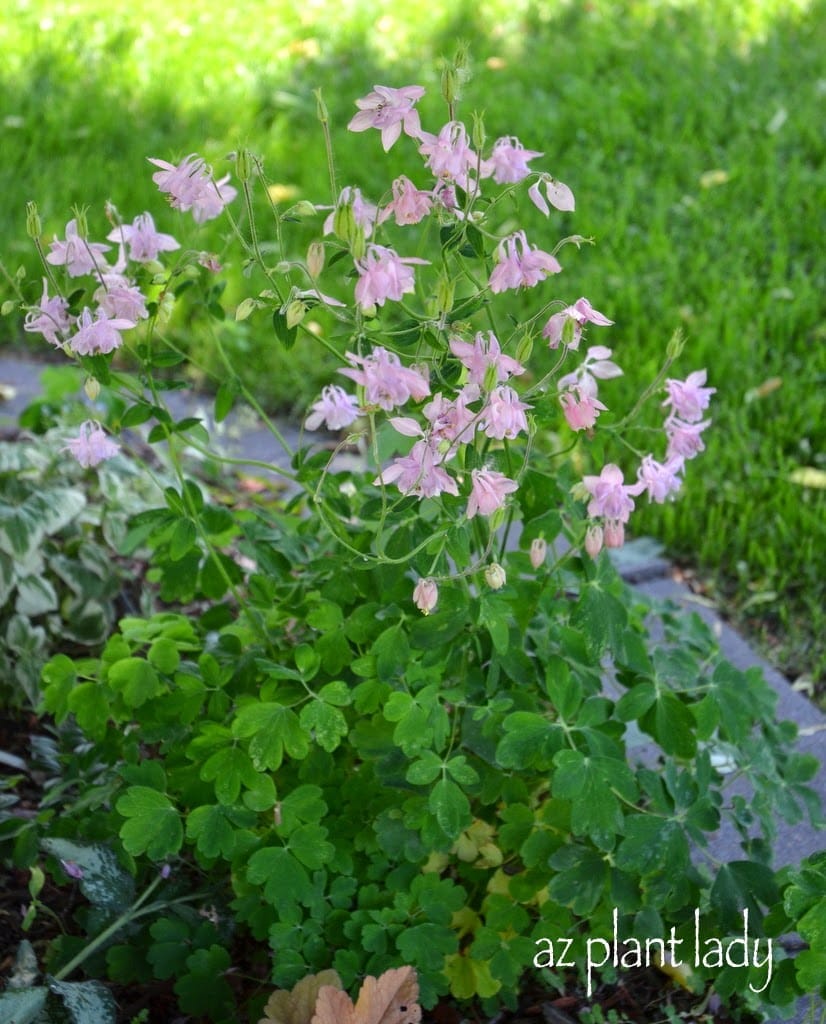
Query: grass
(691, 133)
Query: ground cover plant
(389, 721)
(691, 129)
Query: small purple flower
(336, 409)
(98, 335)
(688, 398)
(508, 162)
(91, 446)
(383, 274)
(389, 110)
(581, 313)
(660, 480)
(504, 415)
(482, 354)
(50, 318)
(684, 439)
(520, 265)
(78, 255)
(580, 409)
(119, 299)
(419, 473)
(488, 491)
(611, 498)
(144, 241)
(597, 365)
(386, 382)
(448, 153)
(425, 595)
(409, 204)
(558, 195)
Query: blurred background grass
(692, 134)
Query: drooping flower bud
(92, 388)
(539, 550)
(315, 258)
(344, 221)
(593, 540)
(295, 313)
(495, 576)
(425, 595)
(614, 533)
(524, 349)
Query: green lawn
(691, 133)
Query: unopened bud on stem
(315, 259)
(495, 576)
(34, 228)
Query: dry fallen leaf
(298, 1005)
(389, 999)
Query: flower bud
(295, 313)
(614, 533)
(495, 576)
(491, 378)
(539, 550)
(358, 243)
(321, 107)
(524, 349)
(82, 225)
(569, 331)
(675, 345)
(344, 221)
(593, 540)
(478, 134)
(92, 388)
(243, 164)
(34, 228)
(425, 595)
(315, 258)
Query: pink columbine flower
(78, 255)
(580, 409)
(688, 398)
(504, 415)
(91, 446)
(659, 479)
(211, 202)
(365, 213)
(386, 382)
(50, 318)
(508, 162)
(119, 299)
(409, 204)
(597, 365)
(614, 533)
(538, 552)
(558, 195)
(450, 421)
(425, 595)
(684, 439)
(384, 275)
(581, 313)
(611, 498)
(336, 409)
(593, 540)
(144, 241)
(488, 491)
(520, 265)
(485, 352)
(98, 335)
(419, 473)
(190, 186)
(448, 153)
(389, 110)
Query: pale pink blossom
(504, 415)
(91, 446)
(520, 265)
(450, 421)
(448, 153)
(211, 202)
(419, 473)
(336, 409)
(593, 540)
(614, 533)
(409, 204)
(386, 382)
(581, 313)
(389, 110)
(425, 595)
(558, 195)
(508, 162)
(581, 410)
(365, 213)
(688, 398)
(684, 439)
(190, 186)
(488, 491)
(538, 552)
(597, 365)
(51, 318)
(611, 498)
(120, 299)
(478, 357)
(78, 255)
(383, 274)
(659, 479)
(144, 241)
(98, 335)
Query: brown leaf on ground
(389, 999)
(298, 1005)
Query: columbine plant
(389, 734)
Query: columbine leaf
(153, 826)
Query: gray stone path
(641, 565)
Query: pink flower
(91, 446)
(144, 241)
(579, 314)
(508, 162)
(119, 299)
(211, 202)
(580, 409)
(50, 318)
(419, 473)
(389, 110)
(559, 195)
(503, 414)
(593, 540)
(485, 352)
(190, 186)
(386, 382)
(614, 533)
(659, 479)
(409, 205)
(611, 497)
(450, 421)
(383, 275)
(518, 269)
(597, 365)
(448, 153)
(364, 212)
(335, 408)
(425, 595)
(538, 552)
(488, 491)
(688, 398)
(78, 255)
(684, 439)
(98, 335)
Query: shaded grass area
(692, 136)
